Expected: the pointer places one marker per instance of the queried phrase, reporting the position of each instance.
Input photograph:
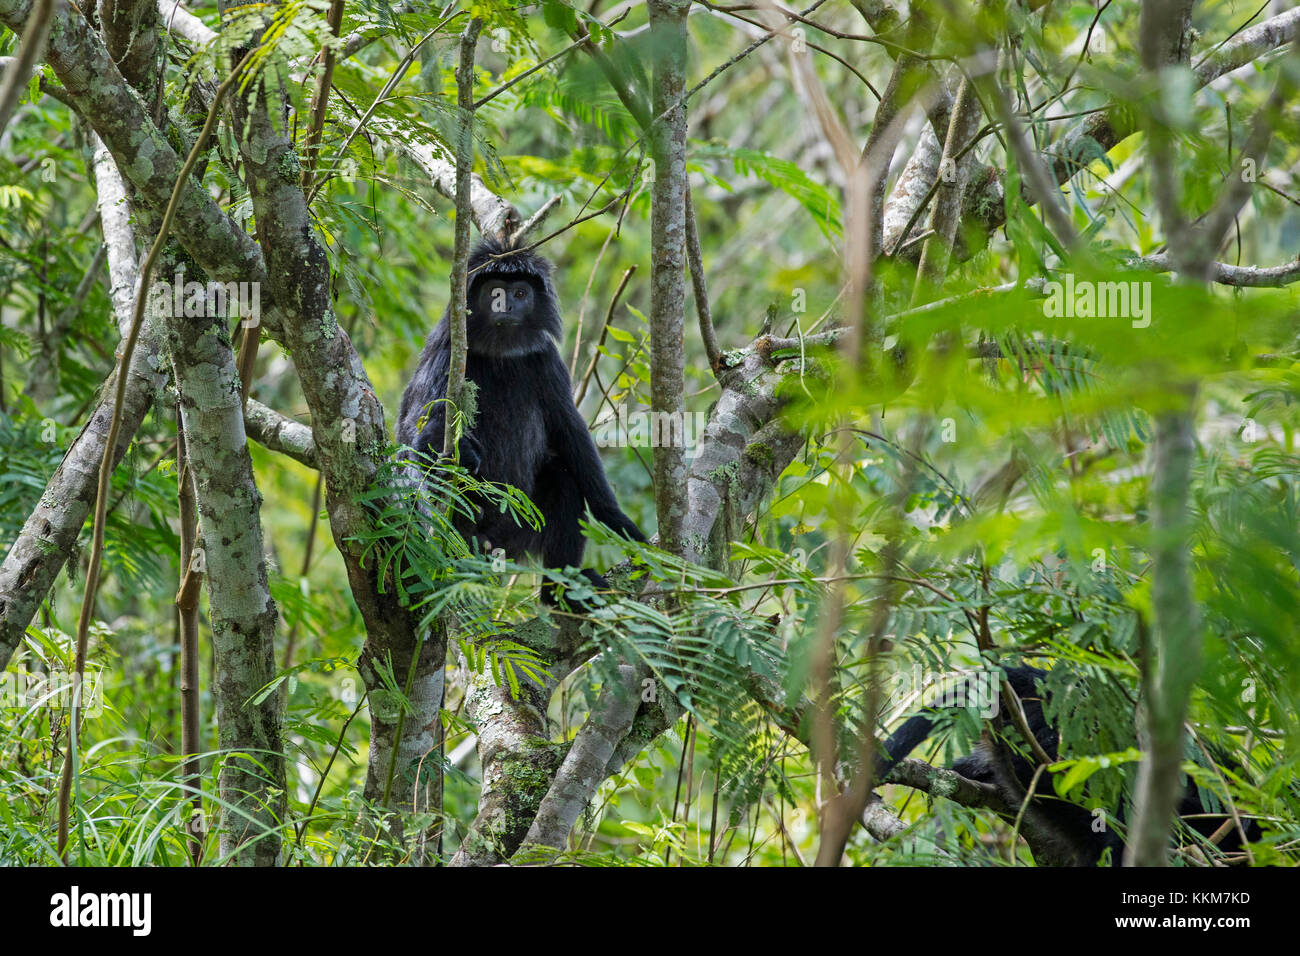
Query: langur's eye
(520, 294)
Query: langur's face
(511, 313)
(505, 301)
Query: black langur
(528, 432)
(1068, 834)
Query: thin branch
(701, 292)
(187, 615)
(1247, 277)
(1249, 45)
(579, 41)
(604, 330)
(320, 100)
(937, 781)
(534, 221)
(459, 275)
(1031, 165)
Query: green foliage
(786, 176)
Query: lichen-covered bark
(945, 213)
(347, 422)
(279, 433)
(1250, 44)
(119, 237)
(494, 215)
(585, 765)
(668, 259)
(748, 402)
(1224, 273)
(518, 761)
(130, 30)
(241, 612)
(914, 182)
(905, 82)
(416, 752)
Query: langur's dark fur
(528, 433)
(1066, 829)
